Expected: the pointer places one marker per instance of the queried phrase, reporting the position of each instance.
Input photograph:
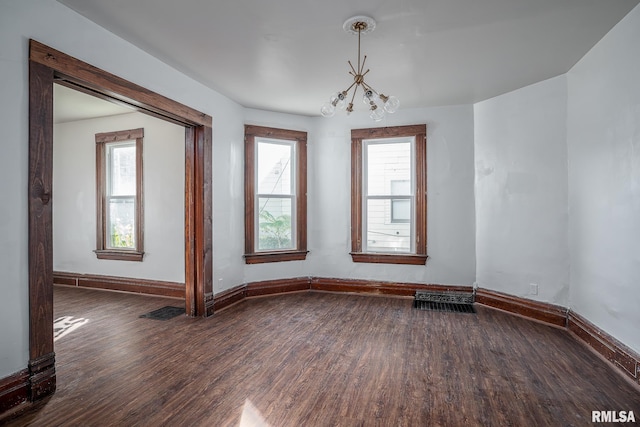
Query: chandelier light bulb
(338, 100)
(391, 103)
(376, 114)
(327, 110)
(379, 104)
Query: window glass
(388, 220)
(275, 226)
(274, 167)
(121, 168)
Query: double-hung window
(119, 233)
(275, 195)
(389, 203)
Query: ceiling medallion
(379, 104)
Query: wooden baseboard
(298, 284)
(29, 385)
(229, 297)
(42, 376)
(281, 286)
(622, 357)
(371, 287)
(540, 311)
(125, 284)
(14, 390)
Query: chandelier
(378, 103)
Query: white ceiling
(290, 55)
(71, 105)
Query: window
(275, 195)
(388, 195)
(119, 233)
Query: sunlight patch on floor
(65, 325)
(251, 416)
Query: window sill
(262, 257)
(382, 258)
(119, 255)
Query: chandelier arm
(353, 69)
(359, 31)
(349, 88)
(366, 86)
(354, 94)
(362, 67)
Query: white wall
(604, 182)
(74, 208)
(521, 192)
(57, 26)
(450, 223)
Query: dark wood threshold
(259, 258)
(543, 312)
(125, 284)
(621, 356)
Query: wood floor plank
(318, 359)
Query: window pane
(383, 235)
(400, 210)
(274, 168)
(274, 223)
(122, 169)
(387, 162)
(121, 223)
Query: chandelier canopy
(378, 103)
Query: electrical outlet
(533, 288)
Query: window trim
(419, 132)
(252, 256)
(102, 252)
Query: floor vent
(455, 302)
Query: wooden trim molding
(74, 71)
(258, 257)
(358, 137)
(540, 311)
(229, 297)
(124, 284)
(40, 227)
(102, 251)
(622, 357)
(411, 259)
(279, 286)
(45, 66)
(299, 139)
(14, 390)
(42, 376)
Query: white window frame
(292, 196)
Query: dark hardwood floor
(318, 359)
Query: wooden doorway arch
(47, 65)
